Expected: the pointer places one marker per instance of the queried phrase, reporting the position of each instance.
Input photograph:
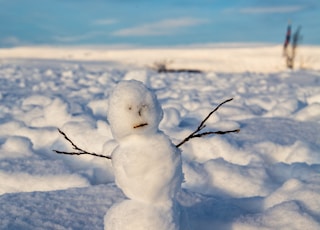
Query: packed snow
(265, 177)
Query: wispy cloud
(162, 27)
(11, 41)
(77, 38)
(271, 9)
(88, 35)
(105, 21)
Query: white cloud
(163, 27)
(271, 10)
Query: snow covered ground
(265, 177)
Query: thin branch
(75, 147)
(68, 139)
(216, 132)
(81, 153)
(202, 125)
(213, 111)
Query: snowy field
(265, 177)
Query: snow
(264, 58)
(265, 177)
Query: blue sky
(154, 23)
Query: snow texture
(265, 177)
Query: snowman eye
(129, 108)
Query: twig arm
(216, 132)
(81, 153)
(202, 125)
(213, 111)
(75, 147)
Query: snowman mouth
(140, 125)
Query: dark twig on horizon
(79, 151)
(202, 126)
(162, 67)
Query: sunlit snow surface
(265, 177)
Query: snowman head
(133, 109)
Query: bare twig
(216, 132)
(202, 126)
(79, 151)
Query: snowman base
(135, 215)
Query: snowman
(147, 166)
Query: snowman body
(147, 166)
(134, 215)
